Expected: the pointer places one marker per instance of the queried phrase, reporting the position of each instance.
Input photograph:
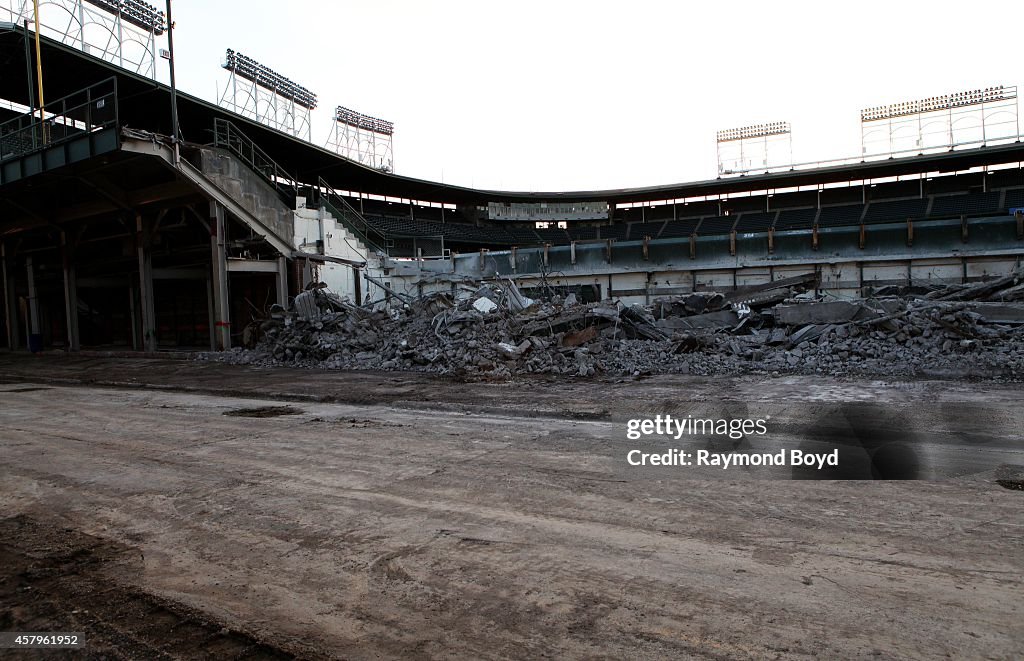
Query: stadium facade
(115, 234)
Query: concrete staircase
(357, 248)
(249, 189)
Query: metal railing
(84, 111)
(347, 215)
(227, 136)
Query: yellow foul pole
(39, 73)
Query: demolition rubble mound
(493, 331)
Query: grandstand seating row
(836, 215)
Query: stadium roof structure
(145, 104)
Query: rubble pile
(493, 331)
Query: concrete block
(720, 319)
(828, 312)
(999, 313)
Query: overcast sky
(561, 95)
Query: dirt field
(177, 510)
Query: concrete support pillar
(70, 293)
(221, 305)
(143, 243)
(33, 301)
(10, 302)
(282, 282)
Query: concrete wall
(249, 190)
(312, 224)
(935, 252)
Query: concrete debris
(516, 301)
(494, 331)
(576, 338)
(511, 351)
(305, 306)
(485, 305)
(720, 319)
(825, 312)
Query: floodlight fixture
(140, 14)
(362, 138)
(267, 78)
(754, 131)
(942, 102)
(344, 115)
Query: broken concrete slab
(305, 306)
(485, 305)
(510, 351)
(999, 313)
(720, 319)
(746, 293)
(809, 333)
(778, 336)
(825, 312)
(686, 343)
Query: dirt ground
(170, 509)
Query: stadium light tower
(946, 121)
(123, 32)
(259, 92)
(362, 138)
(755, 147)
